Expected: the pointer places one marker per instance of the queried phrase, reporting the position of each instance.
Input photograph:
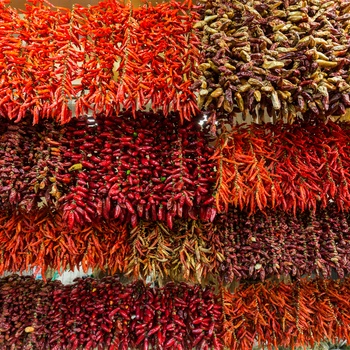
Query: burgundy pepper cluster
(106, 314)
(277, 244)
(124, 168)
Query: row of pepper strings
(107, 314)
(110, 56)
(154, 168)
(235, 247)
(106, 58)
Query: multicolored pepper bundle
(152, 168)
(275, 58)
(234, 247)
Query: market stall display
(202, 232)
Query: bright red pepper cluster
(299, 166)
(298, 314)
(104, 57)
(43, 240)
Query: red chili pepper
(170, 343)
(154, 330)
(117, 212)
(141, 338)
(87, 164)
(129, 207)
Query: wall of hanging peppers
(106, 163)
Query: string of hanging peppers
(302, 314)
(234, 247)
(106, 58)
(106, 314)
(275, 58)
(128, 169)
(299, 166)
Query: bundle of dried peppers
(105, 314)
(43, 240)
(122, 168)
(279, 57)
(104, 57)
(234, 247)
(299, 166)
(302, 314)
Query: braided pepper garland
(297, 314)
